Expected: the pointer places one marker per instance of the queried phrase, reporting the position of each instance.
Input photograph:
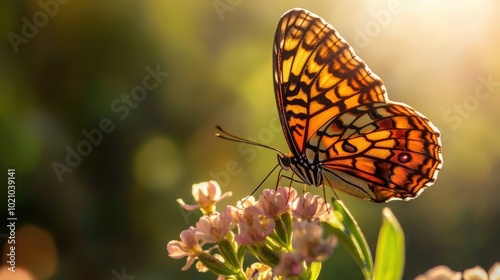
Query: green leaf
(228, 251)
(282, 235)
(315, 270)
(342, 224)
(265, 254)
(390, 255)
(241, 253)
(216, 266)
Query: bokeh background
(111, 212)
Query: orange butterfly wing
(337, 119)
(317, 76)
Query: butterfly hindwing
(338, 121)
(390, 146)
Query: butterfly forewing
(338, 122)
(317, 75)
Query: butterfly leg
(329, 184)
(278, 180)
(289, 178)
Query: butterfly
(340, 126)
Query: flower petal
(441, 272)
(175, 251)
(475, 273)
(495, 271)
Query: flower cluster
(443, 272)
(281, 229)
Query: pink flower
(475, 273)
(241, 205)
(494, 271)
(308, 241)
(309, 207)
(273, 204)
(206, 195)
(290, 265)
(253, 227)
(187, 247)
(216, 226)
(441, 272)
(246, 202)
(259, 271)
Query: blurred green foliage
(116, 209)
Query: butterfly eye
(348, 147)
(404, 157)
(284, 161)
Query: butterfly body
(341, 127)
(309, 172)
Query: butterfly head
(284, 161)
(309, 173)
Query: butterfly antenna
(260, 183)
(264, 179)
(231, 137)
